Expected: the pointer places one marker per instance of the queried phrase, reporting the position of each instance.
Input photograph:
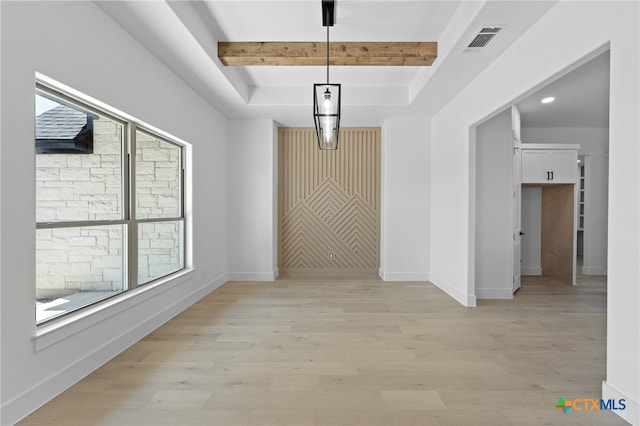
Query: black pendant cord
(327, 54)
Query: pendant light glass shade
(326, 114)
(326, 97)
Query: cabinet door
(535, 166)
(564, 165)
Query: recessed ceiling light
(548, 100)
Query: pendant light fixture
(326, 97)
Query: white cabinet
(541, 164)
(535, 166)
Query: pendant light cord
(327, 54)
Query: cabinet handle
(548, 175)
(551, 175)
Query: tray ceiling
(185, 36)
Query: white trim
(92, 102)
(494, 293)
(468, 300)
(404, 276)
(77, 320)
(51, 333)
(531, 270)
(632, 411)
(472, 217)
(37, 395)
(254, 276)
(594, 270)
(547, 146)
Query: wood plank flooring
(355, 352)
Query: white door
(517, 215)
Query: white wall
(509, 78)
(86, 50)
(591, 139)
(404, 248)
(404, 245)
(596, 194)
(1, 183)
(253, 200)
(594, 146)
(494, 208)
(532, 228)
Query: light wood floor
(355, 352)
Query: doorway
(565, 123)
(548, 225)
(583, 121)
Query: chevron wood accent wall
(329, 202)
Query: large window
(109, 204)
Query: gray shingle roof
(61, 122)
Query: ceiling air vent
(485, 36)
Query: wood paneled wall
(329, 202)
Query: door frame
(471, 253)
(516, 255)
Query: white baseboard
(51, 386)
(531, 270)
(632, 411)
(494, 293)
(468, 300)
(594, 270)
(254, 276)
(404, 276)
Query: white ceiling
(356, 20)
(302, 21)
(581, 98)
(184, 36)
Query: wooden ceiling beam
(315, 53)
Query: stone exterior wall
(158, 195)
(78, 259)
(85, 187)
(157, 178)
(72, 187)
(159, 250)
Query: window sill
(49, 334)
